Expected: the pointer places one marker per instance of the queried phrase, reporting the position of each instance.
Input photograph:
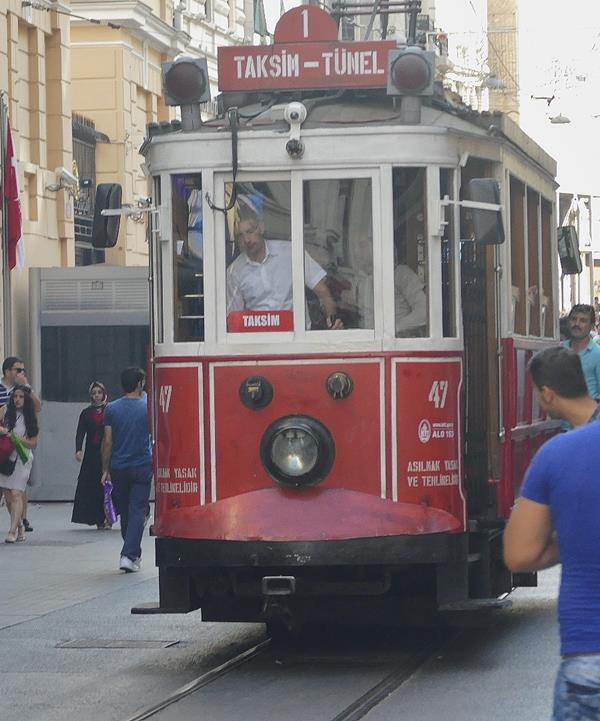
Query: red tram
(341, 410)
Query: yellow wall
(34, 75)
(117, 83)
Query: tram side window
(547, 275)
(448, 256)
(338, 245)
(410, 252)
(188, 253)
(258, 253)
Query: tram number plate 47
(164, 398)
(438, 393)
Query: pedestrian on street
(18, 416)
(127, 462)
(560, 384)
(13, 373)
(88, 506)
(582, 320)
(556, 521)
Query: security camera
(294, 113)
(66, 176)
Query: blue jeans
(577, 689)
(131, 491)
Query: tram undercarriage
(391, 578)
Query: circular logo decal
(424, 430)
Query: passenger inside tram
(260, 278)
(410, 303)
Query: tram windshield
(337, 237)
(322, 241)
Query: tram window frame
(548, 267)
(518, 256)
(186, 259)
(158, 260)
(300, 334)
(450, 215)
(431, 259)
(349, 250)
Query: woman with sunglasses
(18, 416)
(88, 506)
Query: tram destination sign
(306, 55)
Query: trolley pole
(6, 290)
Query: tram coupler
(278, 585)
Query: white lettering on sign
(266, 319)
(164, 397)
(304, 14)
(438, 392)
(185, 473)
(174, 487)
(341, 62)
(163, 473)
(276, 65)
(429, 475)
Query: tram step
(477, 604)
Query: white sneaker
(128, 565)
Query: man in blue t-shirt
(127, 462)
(556, 520)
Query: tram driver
(260, 278)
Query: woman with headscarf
(18, 417)
(88, 506)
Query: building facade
(81, 80)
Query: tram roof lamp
(185, 81)
(411, 71)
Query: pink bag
(6, 447)
(109, 507)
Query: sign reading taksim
(306, 55)
(259, 321)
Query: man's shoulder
(574, 441)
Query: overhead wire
(60, 11)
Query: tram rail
(392, 670)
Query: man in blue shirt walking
(127, 462)
(556, 520)
(582, 321)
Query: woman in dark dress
(88, 506)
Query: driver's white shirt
(268, 285)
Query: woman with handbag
(88, 506)
(18, 416)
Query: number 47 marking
(164, 398)
(438, 392)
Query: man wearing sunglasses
(14, 373)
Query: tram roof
(348, 110)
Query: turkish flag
(13, 220)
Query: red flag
(10, 184)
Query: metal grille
(114, 643)
(73, 295)
(84, 155)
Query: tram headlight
(410, 72)
(185, 81)
(297, 451)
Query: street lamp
(560, 119)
